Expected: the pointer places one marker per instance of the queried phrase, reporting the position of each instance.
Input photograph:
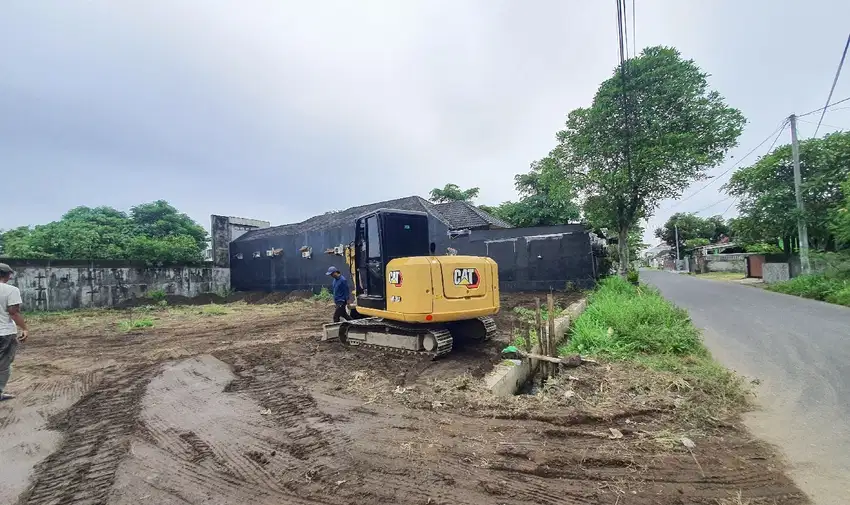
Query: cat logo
(395, 278)
(467, 277)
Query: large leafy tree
(652, 129)
(156, 233)
(545, 198)
(768, 208)
(453, 193)
(693, 230)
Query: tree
(154, 232)
(840, 217)
(545, 198)
(768, 208)
(693, 230)
(652, 129)
(453, 193)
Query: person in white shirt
(11, 321)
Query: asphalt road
(800, 351)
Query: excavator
(407, 298)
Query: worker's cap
(332, 270)
(6, 269)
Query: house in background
(292, 257)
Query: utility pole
(676, 226)
(798, 192)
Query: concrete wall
(68, 284)
(726, 263)
(224, 230)
(775, 272)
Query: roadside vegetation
(823, 287)
(636, 325)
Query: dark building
(293, 257)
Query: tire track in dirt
(97, 436)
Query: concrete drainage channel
(511, 375)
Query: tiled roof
(463, 215)
(455, 215)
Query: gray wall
(68, 284)
(225, 229)
(726, 262)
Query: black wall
(529, 258)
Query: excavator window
(381, 238)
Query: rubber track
(97, 437)
(443, 337)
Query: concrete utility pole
(798, 192)
(676, 227)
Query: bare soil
(244, 405)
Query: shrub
(632, 276)
(157, 295)
(323, 296)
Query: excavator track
(404, 338)
(442, 337)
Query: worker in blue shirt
(341, 292)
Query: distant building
(223, 231)
(292, 257)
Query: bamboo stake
(541, 339)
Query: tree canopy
(652, 129)
(545, 198)
(768, 208)
(693, 230)
(453, 193)
(153, 232)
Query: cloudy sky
(280, 110)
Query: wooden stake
(538, 319)
(550, 335)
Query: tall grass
(623, 321)
(825, 287)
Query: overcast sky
(280, 110)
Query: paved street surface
(800, 351)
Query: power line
(834, 82)
(778, 132)
(713, 204)
(729, 207)
(833, 104)
(824, 124)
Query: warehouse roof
(455, 215)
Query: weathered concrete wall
(775, 272)
(225, 229)
(726, 263)
(60, 285)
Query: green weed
(323, 296)
(133, 324)
(157, 295)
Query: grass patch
(214, 310)
(624, 322)
(133, 324)
(823, 287)
(722, 276)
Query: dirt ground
(242, 404)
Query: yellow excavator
(409, 299)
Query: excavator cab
(380, 237)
